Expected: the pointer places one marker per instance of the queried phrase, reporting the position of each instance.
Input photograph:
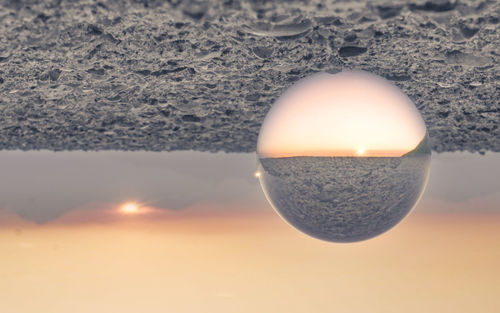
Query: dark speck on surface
(54, 74)
(468, 32)
(350, 37)
(94, 30)
(388, 11)
(434, 6)
(398, 77)
(351, 51)
(190, 118)
(263, 52)
(97, 71)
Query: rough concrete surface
(201, 75)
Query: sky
(223, 249)
(42, 186)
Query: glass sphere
(343, 157)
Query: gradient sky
(248, 262)
(346, 114)
(229, 252)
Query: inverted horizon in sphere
(346, 114)
(342, 199)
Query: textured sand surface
(167, 75)
(343, 198)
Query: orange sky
(250, 261)
(346, 114)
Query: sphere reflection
(341, 165)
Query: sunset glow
(346, 114)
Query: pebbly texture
(344, 199)
(201, 75)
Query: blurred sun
(361, 151)
(130, 208)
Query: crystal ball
(343, 157)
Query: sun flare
(130, 208)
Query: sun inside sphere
(346, 114)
